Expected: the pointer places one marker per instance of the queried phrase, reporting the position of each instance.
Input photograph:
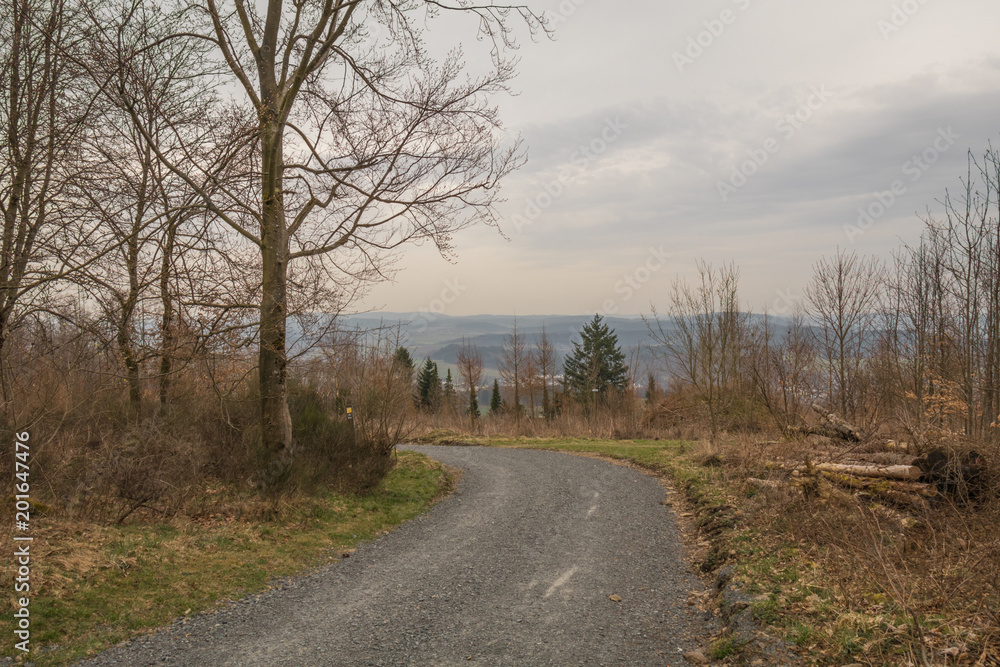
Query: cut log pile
(938, 473)
(897, 484)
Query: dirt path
(518, 567)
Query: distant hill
(439, 336)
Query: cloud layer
(760, 150)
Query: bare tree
(470, 370)
(155, 103)
(364, 144)
(910, 326)
(531, 380)
(780, 367)
(545, 360)
(513, 365)
(701, 340)
(44, 108)
(843, 295)
(989, 170)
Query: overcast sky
(643, 118)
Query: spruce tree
(496, 401)
(597, 361)
(428, 395)
(473, 403)
(404, 362)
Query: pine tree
(449, 398)
(473, 404)
(597, 362)
(403, 367)
(428, 395)
(496, 401)
(404, 362)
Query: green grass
(97, 586)
(725, 647)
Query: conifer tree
(428, 395)
(496, 401)
(597, 362)
(404, 361)
(473, 405)
(403, 367)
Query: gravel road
(518, 567)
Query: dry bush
(94, 459)
(682, 415)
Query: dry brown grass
(860, 578)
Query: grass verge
(94, 586)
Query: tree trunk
(276, 421)
(6, 412)
(900, 472)
(166, 322)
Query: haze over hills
(439, 336)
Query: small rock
(724, 576)
(615, 598)
(696, 658)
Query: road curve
(518, 567)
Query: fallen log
(880, 486)
(907, 473)
(833, 423)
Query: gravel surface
(518, 567)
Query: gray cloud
(655, 183)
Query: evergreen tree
(403, 367)
(597, 361)
(449, 398)
(404, 362)
(473, 404)
(428, 395)
(496, 401)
